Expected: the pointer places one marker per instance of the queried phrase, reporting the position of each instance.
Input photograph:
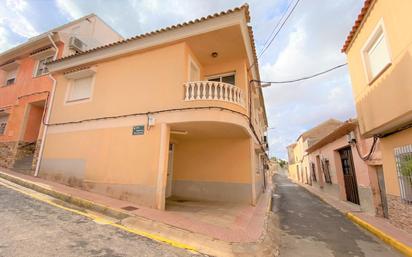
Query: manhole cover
(130, 208)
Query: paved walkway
(312, 228)
(227, 222)
(30, 228)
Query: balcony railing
(211, 90)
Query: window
(376, 53)
(313, 171)
(326, 171)
(3, 123)
(80, 89)
(194, 74)
(226, 78)
(403, 157)
(41, 67)
(11, 77)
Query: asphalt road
(29, 227)
(312, 228)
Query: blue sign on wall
(138, 130)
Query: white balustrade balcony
(212, 90)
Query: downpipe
(48, 111)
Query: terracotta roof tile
(244, 7)
(366, 6)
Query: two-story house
(300, 170)
(25, 85)
(174, 112)
(379, 54)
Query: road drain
(130, 208)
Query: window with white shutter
(376, 53)
(10, 77)
(80, 89)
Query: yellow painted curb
(102, 220)
(380, 234)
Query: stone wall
(399, 213)
(36, 154)
(25, 149)
(7, 154)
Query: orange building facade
(25, 86)
(379, 58)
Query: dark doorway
(349, 176)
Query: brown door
(349, 176)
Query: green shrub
(406, 165)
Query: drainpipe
(49, 105)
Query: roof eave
(157, 38)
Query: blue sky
(310, 42)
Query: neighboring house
(167, 113)
(299, 170)
(379, 55)
(25, 85)
(337, 169)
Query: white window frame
(36, 68)
(69, 88)
(375, 35)
(191, 61)
(222, 75)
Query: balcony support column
(162, 166)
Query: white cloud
(69, 9)
(14, 18)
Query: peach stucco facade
(25, 87)
(384, 98)
(198, 138)
(367, 187)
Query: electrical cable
(303, 78)
(157, 112)
(276, 34)
(277, 25)
(371, 151)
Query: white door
(170, 172)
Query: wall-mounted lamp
(150, 121)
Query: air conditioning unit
(351, 137)
(76, 44)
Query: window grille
(326, 171)
(313, 171)
(403, 157)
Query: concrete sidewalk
(382, 228)
(219, 229)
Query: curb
(97, 218)
(82, 203)
(382, 235)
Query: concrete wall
(213, 169)
(107, 160)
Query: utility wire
(277, 25)
(303, 78)
(277, 33)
